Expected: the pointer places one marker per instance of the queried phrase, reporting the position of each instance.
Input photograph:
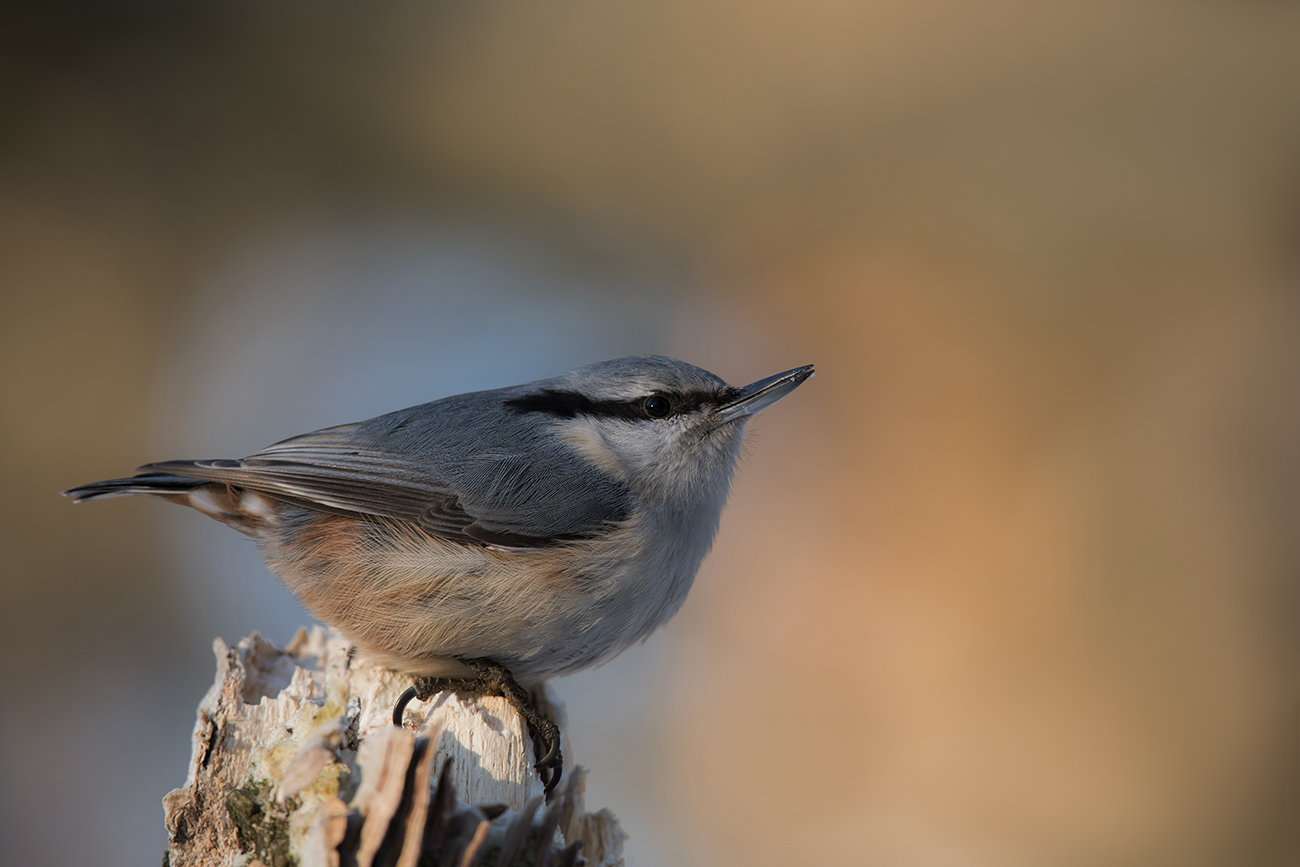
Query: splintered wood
(296, 761)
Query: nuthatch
(541, 529)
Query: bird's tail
(156, 484)
(247, 511)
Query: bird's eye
(656, 406)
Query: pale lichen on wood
(296, 761)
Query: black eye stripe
(570, 404)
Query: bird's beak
(762, 394)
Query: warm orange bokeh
(1012, 581)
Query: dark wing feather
(483, 494)
(331, 487)
(445, 517)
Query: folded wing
(485, 495)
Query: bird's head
(669, 430)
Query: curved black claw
(546, 744)
(399, 709)
(550, 776)
(551, 756)
(426, 688)
(549, 767)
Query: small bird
(498, 538)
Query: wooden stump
(296, 761)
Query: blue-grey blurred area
(1012, 581)
(344, 320)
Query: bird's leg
(495, 679)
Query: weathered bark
(296, 761)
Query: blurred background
(1013, 581)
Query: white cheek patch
(588, 441)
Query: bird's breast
(411, 598)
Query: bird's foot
(495, 679)
(426, 688)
